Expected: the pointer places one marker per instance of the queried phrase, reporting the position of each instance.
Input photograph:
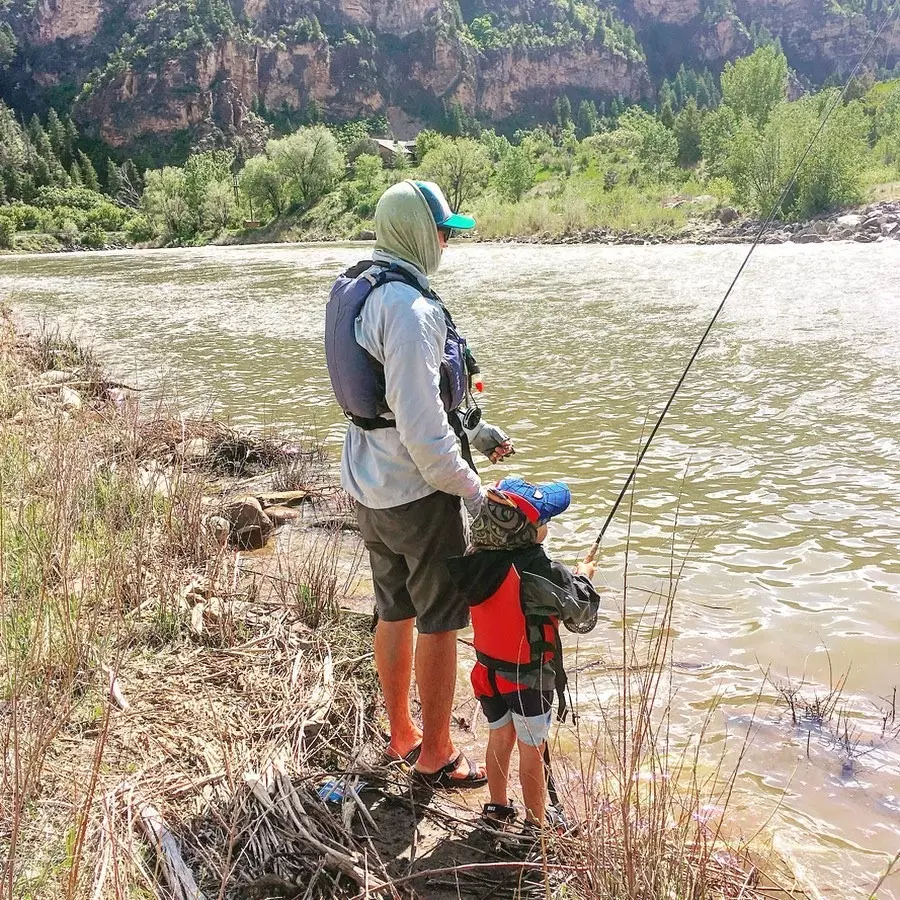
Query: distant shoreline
(873, 223)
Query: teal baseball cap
(444, 217)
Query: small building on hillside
(394, 152)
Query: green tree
(165, 203)
(8, 46)
(461, 167)
(362, 191)
(309, 161)
(515, 175)
(562, 109)
(427, 140)
(753, 86)
(200, 171)
(75, 175)
(39, 139)
(760, 163)
(716, 135)
(113, 178)
(687, 128)
(586, 123)
(657, 146)
(88, 172)
(218, 207)
(7, 232)
(264, 186)
(497, 145)
(887, 127)
(56, 132)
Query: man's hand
(493, 442)
(586, 568)
(498, 453)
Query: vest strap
(370, 424)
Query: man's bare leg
(436, 681)
(393, 660)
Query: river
(781, 456)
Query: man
(399, 370)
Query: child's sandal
(496, 815)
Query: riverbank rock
(727, 215)
(193, 449)
(70, 398)
(250, 526)
(281, 515)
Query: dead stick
(469, 867)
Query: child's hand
(586, 568)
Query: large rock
(727, 215)
(850, 220)
(250, 526)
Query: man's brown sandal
(408, 759)
(444, 777)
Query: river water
(781, 457)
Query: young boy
(517, 595)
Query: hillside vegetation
(734, 140)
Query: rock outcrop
(410, 60)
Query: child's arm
(568, 595)
(579, 601)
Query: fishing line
(762, 230)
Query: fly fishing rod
(759, 234)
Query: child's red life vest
(508, 641)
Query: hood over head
(405, 227)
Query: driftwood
(178, 876)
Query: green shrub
(106, 216)
(61, 214)
(139, 230)
(74, 198)
(27, 217)
(94, 238)
(7, 232)
(67, 231)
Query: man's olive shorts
(408, 547)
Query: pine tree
(679, 87)
(667, 115)
(113, 178)
(667, 95)
(41, 173)
(75, 175)
(56, 131)
(587, 119)
(88, 172)
(70, 141)
(39, 139)
(703, 98)
(563, 111)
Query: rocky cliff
(139, 68)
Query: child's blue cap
(539, 502)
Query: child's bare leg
(534, 781)
(499, 753)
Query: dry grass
(141, 669)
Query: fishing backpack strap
(464, 447)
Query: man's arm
(413, 349)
